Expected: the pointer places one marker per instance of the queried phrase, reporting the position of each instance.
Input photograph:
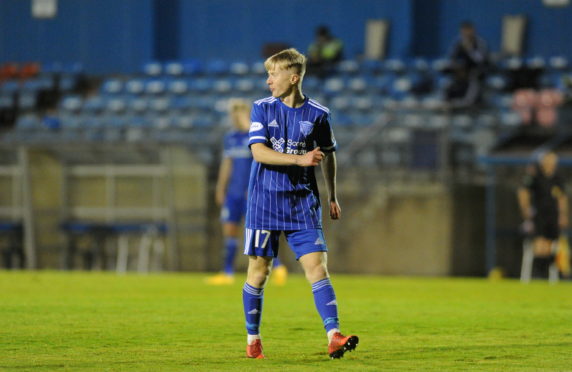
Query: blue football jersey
(236, 148)
(286, 197)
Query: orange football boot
(340, 344)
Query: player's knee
(316, 272)
(257, 276)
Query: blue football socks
(325, 300)
(252, 299)
(230, 251)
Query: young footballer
(290, 134)
(231, 191)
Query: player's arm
(222, 180)
(265, 155)
(523, 195)
(329, 170)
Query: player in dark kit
(290, 134)
(544, 206)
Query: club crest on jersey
(277, 144)
(306, 127)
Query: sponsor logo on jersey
(273, 124)
(306, 127)
(255, 126)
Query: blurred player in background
(544, 208)
(290, 134)
(231, 192)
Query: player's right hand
(312, 158)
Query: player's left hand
(335, 210)
(563, 221)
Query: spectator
(324, 52)
(468, 60)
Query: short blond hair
(287, 59)
(238, 104)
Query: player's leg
(261, 246)
(231, 215)
(310, 249)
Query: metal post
(490, 220)
(27, 210)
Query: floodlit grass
(170, 322)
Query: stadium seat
(135, 86)
(395, 66)
(217, 68)
(348, 67)
(558, 63)
(152, 69)
(116, 105)
(239, 68)
(245, 85)
(174, 68)
(257, 68)
(112, 86)
(71, 103)
(371, 67)
(155, 87)
(178, 86)
(333, 86)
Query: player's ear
(294, 79)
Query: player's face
(549, 163)
(281, 81)
(241, 119)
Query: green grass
(172, 322)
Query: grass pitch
(172, 322)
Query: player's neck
(294, 98)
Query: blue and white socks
(252, 299)
(325, 300)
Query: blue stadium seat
(9, 86)
(333, 86)
(394, 65)
(152, 69)
(420, 65)
(222, 86)
(138, 105)
(178, 86)
(217, 67)
(135, 86)
(201, 85)
(348, 67)
(94, 104)
(174, 68)
(245, 85)
(536, 62)
(559, 63)
(116, 105)
(372, 67)
(27, 101)
(357, 85)
(6, 100)
(496, 82)
(440, 64)
(257, 68)
(28, 122)
(193, 67)
(155, 87)
(71, 103)
(112, 86)
(239, 68)
(162, 104)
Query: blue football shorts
(233, 209)
(264, 243)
